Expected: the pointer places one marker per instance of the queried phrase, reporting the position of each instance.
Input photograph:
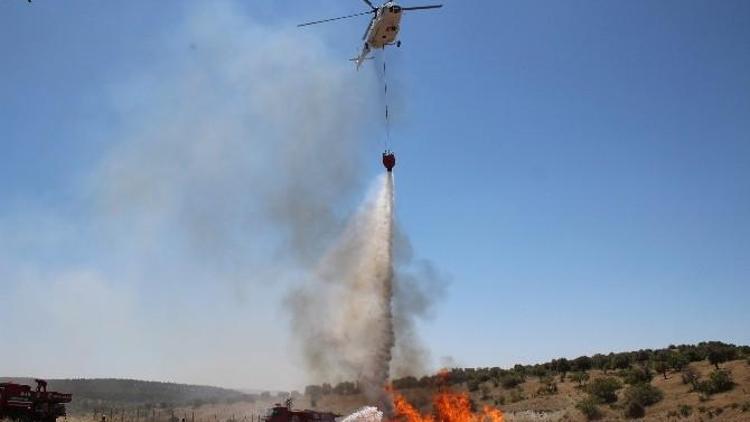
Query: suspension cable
(387, 120)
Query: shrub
(579, 377)
(690, 376)
(643, 394)
(636, 375)
(718, 382)
(511, 380)
(721, 380)
(604, 390)
(405, 383)
(548, 387)
(485, 392)
(686, 411)
(634, 410)
(517, 395)
(500, 400)
(589, 408)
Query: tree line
(674, 357)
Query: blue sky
(580, 171)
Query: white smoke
(342, 314)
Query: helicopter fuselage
(384, 28)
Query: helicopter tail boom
(364, 55)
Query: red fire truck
(20, 403)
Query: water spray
(343, 314)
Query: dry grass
(561, 405)
(520, 404)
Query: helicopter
(383, 28)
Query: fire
(447, 406)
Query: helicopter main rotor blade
(370, 4)
(436, 6)
(335, 19)
(367, 30)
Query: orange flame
(447, 406)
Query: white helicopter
(383, 28)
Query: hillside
(90, 394)
(534, 397)
(710, 380)
(532, 400)
(707, 381)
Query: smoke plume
(342, 313)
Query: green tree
(511, 379)
(677, 360)
(619, 361)
(661, 367)
(581, 364)
(716, 356)
(562, 366)
(604, 390)
(636, 375)
(326, 389)
(539, 371)
(599, 361)
(405, 382)
(719, 354)
(346, 388)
